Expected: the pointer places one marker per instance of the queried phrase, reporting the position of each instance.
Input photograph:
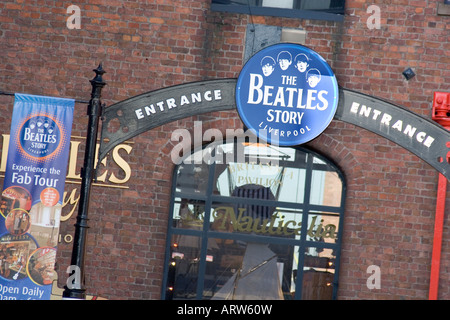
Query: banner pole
(76, 289)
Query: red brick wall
(144, 46)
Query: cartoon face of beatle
(287, 94)
(268, 65)
(284, 61)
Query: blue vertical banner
(32, 195)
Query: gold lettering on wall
(121, 163)
(70, 202)
(105, 178)
(4, 152)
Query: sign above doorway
(287, 94)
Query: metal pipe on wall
(77, 290)
(440, 114)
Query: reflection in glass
(325, 5)
(280, 222)
(280, 176)
(323, 227)
(293, 185)
(326, 188)
(188, 213)
(318, 274)
(268, 216)
(183, 267)
(238, 270)
(192, 178)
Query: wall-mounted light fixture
(408, 74)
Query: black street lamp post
(76, 290)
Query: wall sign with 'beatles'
(287, 94)
(32, 196)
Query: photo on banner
(32, 195)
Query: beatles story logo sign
(287, 93)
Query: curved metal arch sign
(426, 139)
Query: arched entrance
(424, 138)
(253, 226)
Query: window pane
(323, 227)
(192, 178)
(237, 175)
(283, 182)
(326, 188)
(254, 164)
(188, 213)
(238, 270)
(318, 274)
(225, 260)
(287, 4)
(183, 267)
(315, 5)
(292, 188)
(256, 219)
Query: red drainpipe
(440, 114)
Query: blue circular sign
(39, 137)
(287, 94)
